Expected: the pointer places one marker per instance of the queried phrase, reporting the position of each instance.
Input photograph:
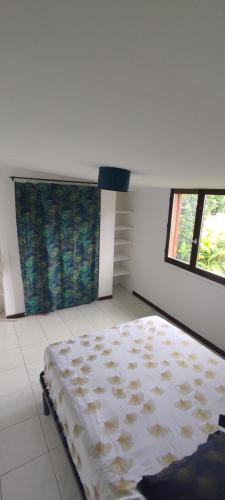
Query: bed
(131, 400)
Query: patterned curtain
(58, 234)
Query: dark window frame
(196, 234)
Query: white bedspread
(132, 399)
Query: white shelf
(123, 228)
(124, 224)
(120, 271)
(121, 257)
(124, 211)
(122, 242)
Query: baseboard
(16, 316)
(22, 315)
(105, 297)
(188, 330)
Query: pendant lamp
(113, 179)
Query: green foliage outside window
(211, 254)
(186, 227)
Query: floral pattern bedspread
(131, 400)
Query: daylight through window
(196, 232)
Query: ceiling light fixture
(113, 179)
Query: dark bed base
(48, 407)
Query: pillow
(200, 476)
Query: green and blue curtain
(58, 233)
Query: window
(196, 232)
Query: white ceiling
(138, 84)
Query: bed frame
(48, 408)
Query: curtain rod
(13, 177)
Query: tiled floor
(33, 465)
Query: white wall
(106, 251)
(193, 300)
(12, 280)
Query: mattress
(131, 400)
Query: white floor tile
(34, 370)
(13, 381)
(86, 308)
(11, 359)
(71, 313)
(107, 310)
(7, 326)
(57, 337)
(50, 319)
(124, 314)
(67, 483)
(16, 407)
(21, 443)
(97, 309)
(37, 393)
(34, 352)
(98, 314)
(51, 434)
(77, 496)
(110, 306)
(52, 330)
(80, 326)
(27, 324)
(32, 336)
(8, 340)
(101, 323)
(33, 481)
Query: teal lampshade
(113, 179)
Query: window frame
(196, 233)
